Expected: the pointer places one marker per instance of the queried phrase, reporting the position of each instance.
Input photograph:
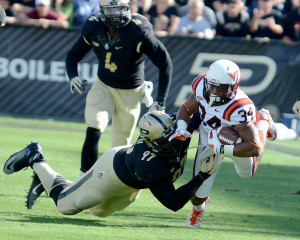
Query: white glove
(78, 84)
(181, 134)
(209, 165)
(214, 142)
(147, 98)
(296, 107)
(159, 106)
(219, 148)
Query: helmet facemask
(115, 13)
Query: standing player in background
(296, 107)
(116, 179)
(218, 98)
(120, 41)
(2, 16)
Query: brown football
(228, 135)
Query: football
(228, 135)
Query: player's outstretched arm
(175, 199)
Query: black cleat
(23, 158)
(35, 190)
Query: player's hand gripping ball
(228, 136)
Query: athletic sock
(201, 206)
(89, 154)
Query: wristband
(228, 150)
(181, 124)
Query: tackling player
(120, 41)
(220, 101)
(116, 179)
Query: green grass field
(264, 207)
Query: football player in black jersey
(117, 177)
(120, 41)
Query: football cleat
(35, 190)
(264, 114)
(195, 218)
(23, 158)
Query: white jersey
(240, 109)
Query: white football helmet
(155, 128)
(115, 13)
(222, 73)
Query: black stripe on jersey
(160, 121)
(76, 186)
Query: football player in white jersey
(220, 101)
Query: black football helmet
(155, 128)
(115, 13)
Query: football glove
(78, 84)
(214, 142)
(219, 148)
(209, 165)
(159, 106)
(181, 134)
(296, 107)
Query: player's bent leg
(195, 217)
(98, 112)
(126, 115)
(115, 204)
(89, 154)
(271, 129)
(35, 190)
(94, 187)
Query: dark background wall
(33, 81)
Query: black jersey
(139, 167)
(121, 59)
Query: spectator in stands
(166, 7)
(65, 10)
(23, 6)
(136, 7)
(266, 22)
(161, 24)
(234, 21)
(207, 13)
(290, 5)
(83, 9)
(11, 15)
(194, 24)
(145, 4)
(292, 25)
(43, 16)
(216, 5)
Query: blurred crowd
(259, 19)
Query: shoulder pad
(232, 112)
(141, 22)
(196, 82)
(89, 24)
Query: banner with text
(33, 80)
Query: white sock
(200, 207)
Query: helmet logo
(235, 75)
(144, 131)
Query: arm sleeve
(160, 57)
(74, 55)
(175, 199)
